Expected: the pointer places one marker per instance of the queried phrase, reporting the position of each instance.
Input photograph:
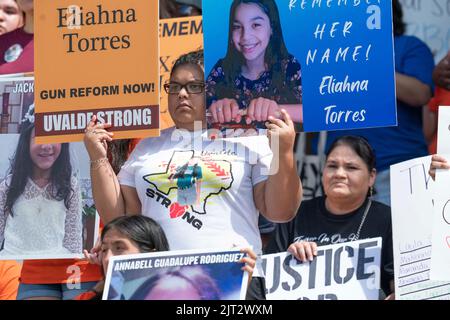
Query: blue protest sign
(344, 49)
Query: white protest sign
(443, 146)
(440, 257)
(412, 209)
(344, 271)
(177, 275)
(429, 21)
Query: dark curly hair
(194, 57)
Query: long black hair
(144, 231)
(275, 54)
(397, 16)
(21, 169)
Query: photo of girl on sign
(44, 209)
(257, 77)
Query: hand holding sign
(437, 162)
(303, 250)
(96, 138)
(441, 74)
(283, 130)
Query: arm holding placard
(437, 162)
(115, 201)
(303, 250)
(441, 73)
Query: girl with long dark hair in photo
(258, 73)
(40, 201)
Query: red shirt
(441, 98)
(16, 52)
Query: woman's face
(173, 288)
(346, 175)
(43, 156)
(251, 31)
(115, 243)
(10, 16)
(185, 108)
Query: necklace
(366, 211)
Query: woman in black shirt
(345, 213)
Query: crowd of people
(126, 173)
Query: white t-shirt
(200, 191)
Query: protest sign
(16, 97)
(344, 48)
(96, 58)
(443, 141)
(412, 209)
(187, 275)
(343, 271)
(40, 226)
(428, 20)
(440, 256)
(177, 37)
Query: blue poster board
(345, 49)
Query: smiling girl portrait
(258, 76)
(40, 200)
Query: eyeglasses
(191, 87)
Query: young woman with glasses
(235, 187)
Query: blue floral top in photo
(245, 90)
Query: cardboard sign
(38, 228)
(412, 210)
(344, 48)
(200, 274)
(440, 255)
(16, 98)
(96, 58)
(344, 271)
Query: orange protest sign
(96, 57)
(177, 36)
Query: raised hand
(95, 139)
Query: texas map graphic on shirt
(211, 176)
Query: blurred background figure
(186, 8)
(11, 17)
(441, 78)
(17, 46)
(180, 8)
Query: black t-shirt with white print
(315, 223)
